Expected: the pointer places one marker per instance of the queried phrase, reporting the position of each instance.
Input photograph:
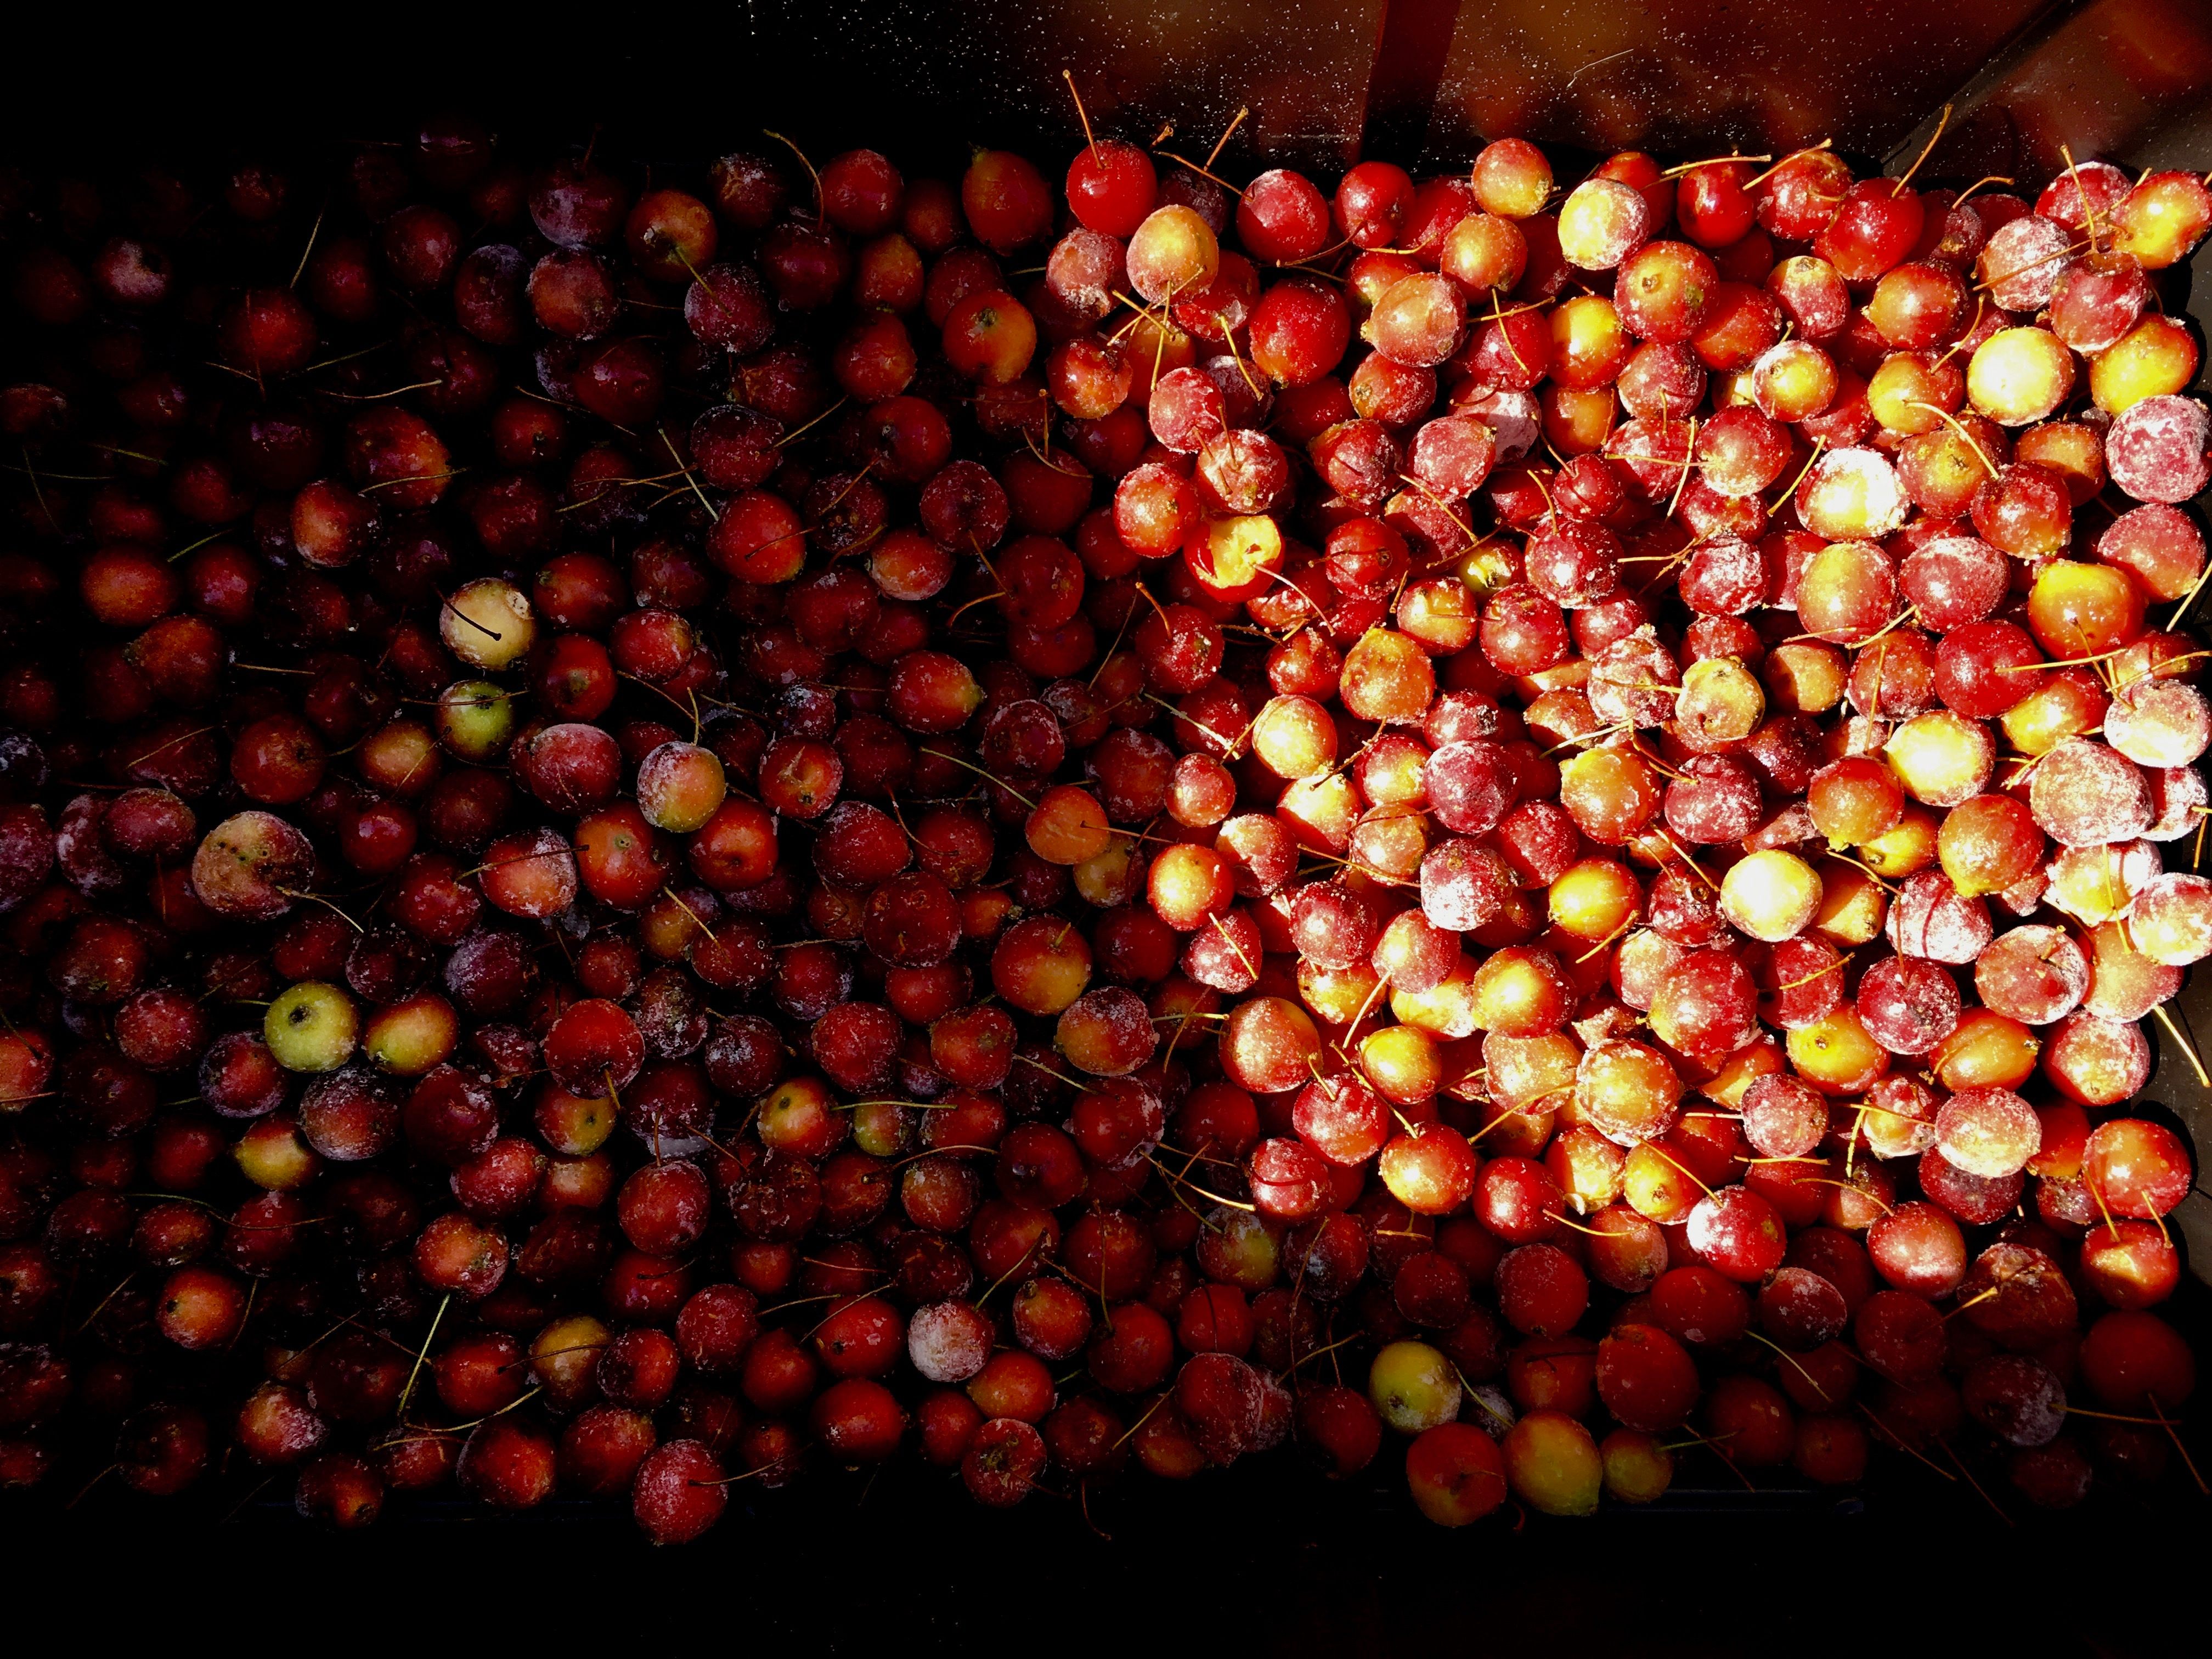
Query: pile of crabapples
(659, 828)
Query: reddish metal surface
(2130, 80)
(992, 68)
(1693, 75)
(1429, 81)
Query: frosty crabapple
(783, 809)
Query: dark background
(1265, 1558)
(1424, 82)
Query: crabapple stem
(677, 900)
(987, 776)
(1760, 178)
(1897, 1440)
(172, 743)
(1711, 1444)
(2066, 252)
(2088, 210)
(1976, 1301)
(1222, 142)
(1204, 172)
(1576, 1225)
(1949, 1452)
(1083, 115)
(313, 231)
(1713, 161)
(1000, 593)
(1819, 443)
(2187, 1461)
(428, 1337)
(1107, 656)
(1959, 427)
(1234, 1204)
(688, 477)
(1795, 1364)
(103, 1302)
(732, 1479)
(1943, 120)
(803, 162)
(2112, 1417)
(798, 431)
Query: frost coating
(2172, 920)
(1513, 418)
(2155, 451)
(1932, 919)
(2084, 794)
(948, 1342)
(2160, 723)
(1852, 495)
(1988, 1132)
(2022, 261)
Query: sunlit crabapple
(2033, 973)
(2096, 1061)
(1741, 451)
(2097, 299)
(1987, 1132)
(2158, 357)
(1907, 1004)
(1794, 380)
(2019, 376)
(1610, 795)
(2139, 1169)
(1512, 177)
(1111, 185)
(990, 337)
(1430, 1169)
(1770, 895)
(1942, 759)
(1664, 290)
(2162, 218)
(1107, 1032)
(1298, 331)
(1373, 201)
(1738, 1233)
(1173, 249)
(1601, 222)
(1289, 1181)
(2094, 885)
(1930, 918)
(2171, 922)
(1705, 1005)
(2084, 794)
(1419, 321)
(2160, 725)
(1851, 495)
(1782, 1118)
